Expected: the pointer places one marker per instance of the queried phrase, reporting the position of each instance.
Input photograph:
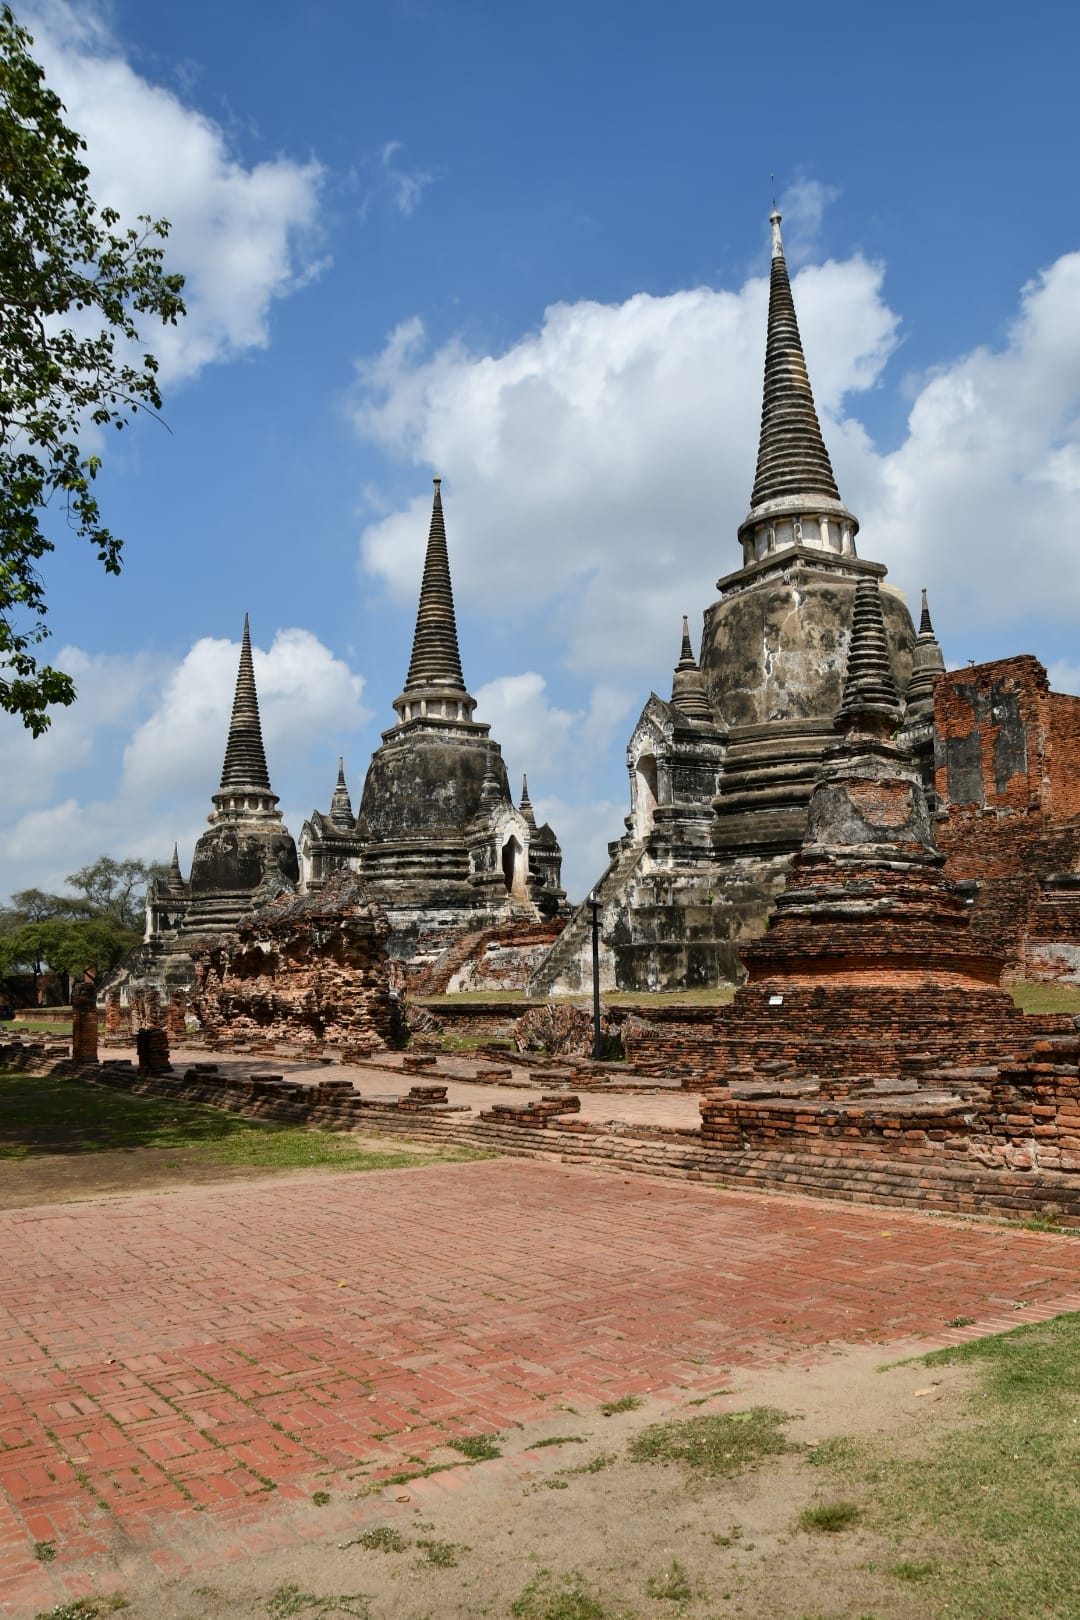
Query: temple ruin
(438, 839)
(721, 777)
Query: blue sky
(526, 249)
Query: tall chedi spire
(245, 758)
(795, 499)
(435, 687)
(245, 781)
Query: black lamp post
(594, 906)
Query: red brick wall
(1064, 756)
(993, 727)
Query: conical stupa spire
(435, 656)
(435, 666)
(245, 758)
(870, 699)
(688, 683)
(526, 802)
(925, 627)
(341, 810)
(175, 879)
(795, 500)
(927, 662)
(792, 458)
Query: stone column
(84, 1021)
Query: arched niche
(646, 794)
(513, 867)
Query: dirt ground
(639, 1539)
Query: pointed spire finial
(870, 700)
(341, 810)
(435, 666)
(927, 662)
(245, 757)
(925, 627)
(526, 802)
(688, 683)
(175, 879)
(793, 480)
(777, 240)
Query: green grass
(443, 1554)
(288, 1601)
(830, 1517)
(38, 1026)
(383, 1538)
(478, 1447)
(715, 1447)
(85, 1608)
(66, 1115)
(986, 1519)
(625, 1403)
(1046, 998)
(671, 1585)
(567, 1598)
(559, 1440)
(830, 1452)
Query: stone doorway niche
(513, 867)
(646, 794)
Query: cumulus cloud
(242, 235)
(597, 470)
(304, 692)
(803, 204)
(156, 732)
(980, 499)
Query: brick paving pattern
(169, 1361)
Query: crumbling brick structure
(311, 970)
(1007, 756)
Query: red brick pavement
(169, 1361)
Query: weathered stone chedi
(438, 839)
(721, 777)
(245, 857)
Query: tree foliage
(72, 290)
(66, 933)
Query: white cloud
(242, 236)
(304, 692)
(584, 831)
(802, 205)
(532, 732)
(980, 499)
(406, 186)
(109, 694)
(597, 470)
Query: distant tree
(66, 947)
(71, 290)
(34, 905)
(113, 890)
(66, 933)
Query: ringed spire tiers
(435, 687)
(245, 781)
(795, 499)
(688, 685)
